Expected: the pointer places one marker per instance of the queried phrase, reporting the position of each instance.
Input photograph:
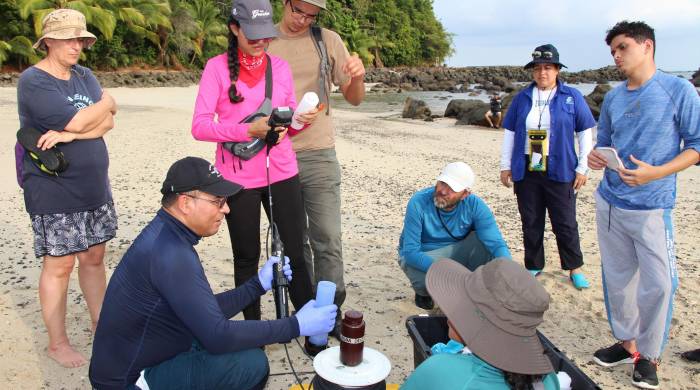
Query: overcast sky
(504, 32)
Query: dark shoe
(613, 356)
(644, 374)
(50, 161)
(313, 349)
(692, 356)
(424, 302)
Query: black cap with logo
(194, 173)
(255, 18)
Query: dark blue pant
(197, 369)
(536, 195)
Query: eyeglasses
(219, 202)
(299, 14)
(255, 41)
(542, 54)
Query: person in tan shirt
(319, 170)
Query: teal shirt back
(462, 372)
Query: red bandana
(252, 69)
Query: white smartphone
(614, 161)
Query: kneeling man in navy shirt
(160, 314)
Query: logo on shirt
(569, 100)
(80, 101)
(260, 12)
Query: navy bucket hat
(545, 54)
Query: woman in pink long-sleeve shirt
(233, 87)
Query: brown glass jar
(352, 338)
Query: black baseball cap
(255, 18)
(194, 173)
(545, 54)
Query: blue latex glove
(452, 347)
(265, 273)
(316, 320)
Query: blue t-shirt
(654, 123)
(159, 301)
(423, 231)
(47, 103)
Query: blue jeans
(198, 369)
(470, 252)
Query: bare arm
(51, 137)
(91, 117)
(354, 90)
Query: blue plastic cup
(325, 293)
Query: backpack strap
(324, 72)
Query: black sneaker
(644, 374)
(424, 302)
(612, 356)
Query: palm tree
(96, 15)
(209, 26)
(142, 17)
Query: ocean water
(392, 103)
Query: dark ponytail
(520, 381)
(233, 65)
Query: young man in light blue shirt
(653, 121)
(447, 221)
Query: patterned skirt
(62, 234)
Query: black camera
(280, 117)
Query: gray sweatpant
(319, 174)
(639, 274)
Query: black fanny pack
(247, 150)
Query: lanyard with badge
(539, 143)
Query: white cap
(458, 176)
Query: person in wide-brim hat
(64, 23)
(543, 125)
(545, 54)
(494, 311)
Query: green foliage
(185, 33)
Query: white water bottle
(308, 103)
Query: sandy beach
(384, 161)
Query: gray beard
(442, 204)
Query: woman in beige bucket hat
(63, 110)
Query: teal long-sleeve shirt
(423, 231)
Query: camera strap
(248, 149)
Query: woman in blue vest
(538, 156)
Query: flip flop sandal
(535, 272)
(579, 281)
(50, 161)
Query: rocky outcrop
(136, 79)
(9, 79)
(595, 98)
(140, 79)
(416, 109)
(489, 78)
(467, 111)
